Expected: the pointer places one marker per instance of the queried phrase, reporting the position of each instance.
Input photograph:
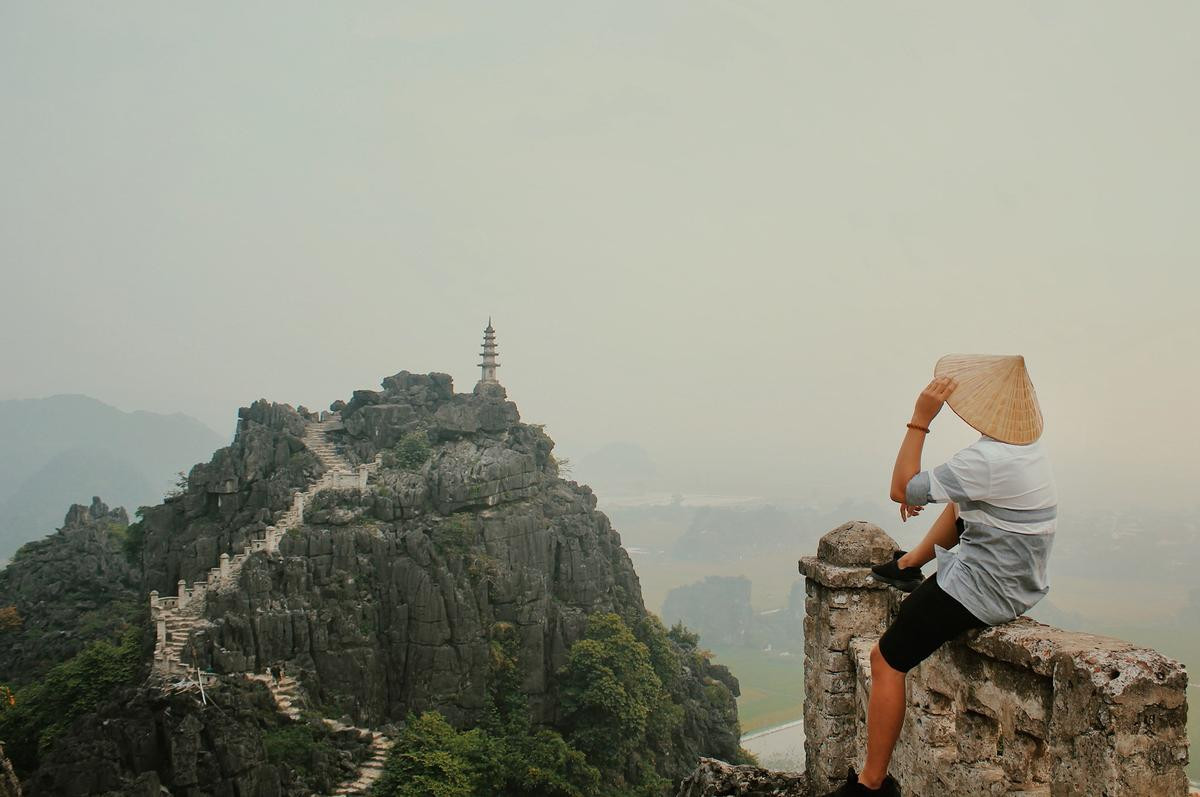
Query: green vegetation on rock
(609, 688)
(133, 540)
(429, 758)
(410, 453)
(299, 748)
(453, 535)
(504, 756)
(623, 693)
(44, 709)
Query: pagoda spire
(489, 364)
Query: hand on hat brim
(930, 402)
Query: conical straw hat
(994, 395)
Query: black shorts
(928, 618)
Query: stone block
(856, 544)
(838, 576)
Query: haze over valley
(441, 358)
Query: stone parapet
(841, 604)
(1016, 709)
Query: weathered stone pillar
(153, 599)
(182, 592)
(224, 567)
(842, 603)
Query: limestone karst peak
(80, 515)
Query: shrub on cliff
(429, 759)
(133, 541)
(608, 688)
(633, 702)
(454, 535)
(506, 756)
(432, 758)
(409, 453)
(44, 709)
(300, 748)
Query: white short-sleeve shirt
(1007, 486)
(1008, 501)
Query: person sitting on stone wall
(1001, 509)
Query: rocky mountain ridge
(388, 599)
(67, 590)
(58, 449)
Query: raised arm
(908, 460)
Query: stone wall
(1016, 709)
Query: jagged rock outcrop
(714, 778)
(147, 740)
(69, 589)
(231, 498)
(9, 785)
(384, 600)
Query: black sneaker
(905, 579)
(852, 788)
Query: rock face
(9, 786)
(385, 600)
(69, 589)
(230, 498)
(714, 778)
(148, 743)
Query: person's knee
(880, 666)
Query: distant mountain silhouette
(618, 467)
(64, 449)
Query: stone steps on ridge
(180, 623)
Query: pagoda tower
(489, 364)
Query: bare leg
(885, 716)
(943, 532)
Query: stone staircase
(176, 617)
(286, 693)
(370, 770)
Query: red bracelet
(924, 429)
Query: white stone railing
(332, 420)
(350, 480)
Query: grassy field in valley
(772, 685)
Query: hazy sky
(738, 234)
